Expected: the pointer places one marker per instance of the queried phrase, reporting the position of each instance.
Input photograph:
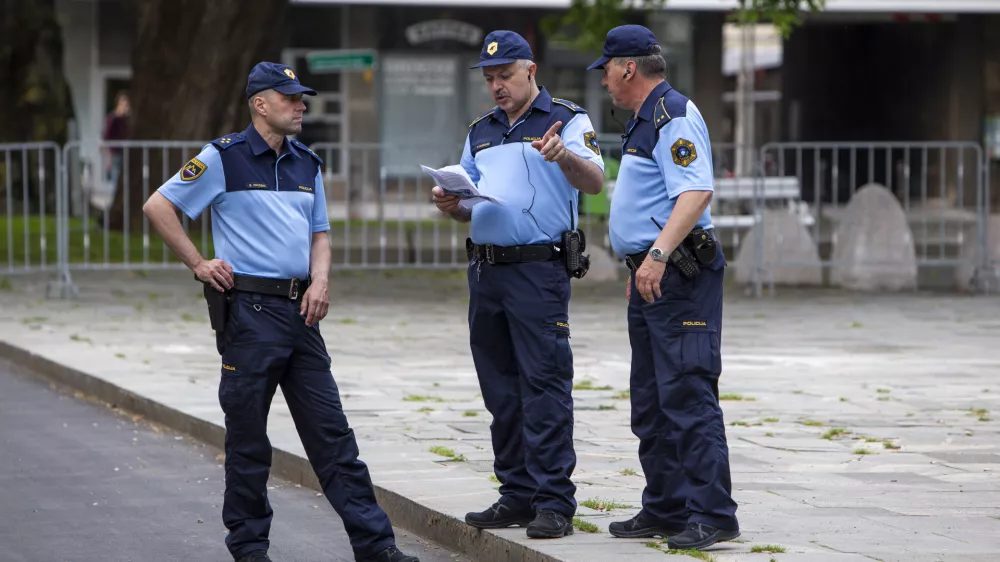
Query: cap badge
(289, 73)
(492, 48)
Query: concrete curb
(433, 525)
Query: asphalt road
(80, 482)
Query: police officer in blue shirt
(534, 153)
(267, 292)
(661, 225)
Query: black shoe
(550, 525)
(391, 554)
(700, 535)
(498, 516)
(641, 527)
(255, 556)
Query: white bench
(764, 190)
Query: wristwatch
(658, 255)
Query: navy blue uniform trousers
(676, 364)
(266, 343)
(519, 334)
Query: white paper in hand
(454, 180)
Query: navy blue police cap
(277, 77)
(503, 47)
(626, 41)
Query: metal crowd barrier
(78, 207)
(940, 189)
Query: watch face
(656, 253)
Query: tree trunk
(189, 72)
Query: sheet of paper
(454, 180)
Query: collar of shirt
(646, 110)
(542, 102)
(259, 146)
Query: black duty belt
(633, 261)
(290, 288)
(493, 254)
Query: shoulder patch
(481, 117)
(590, 140)
(192, 170)
(660, 115)
(225, 142)
(683, 152)
(572, 106)
(305, 148)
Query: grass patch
(422, 398)
(883, 398)
(425, 409)
(842, 399)
(985, 418)
(585, 526)
(5, 285)
(888, 444)
(862, 451)
(446, 452)
(589, 385)
(76, 337)
(627, 472)
(739, 423)
(470, 413)
(623, 395)
(978, 412)
(812, 423)
(599, 504)
(767, 548)
(771, 420)
(857, 325)
(796, 392)
(882, 390)
(607, 407)
(737, 397)
(693, 554)
(120, 355)
(188, 317)
(34, 320)
(769, 434)
(835, 432)
(348, 321)
(494, 479)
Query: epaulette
(572, 106)
(307, 149)
(483, 116)
(660, 115)
(225, 142)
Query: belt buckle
(293, 289)
(489, 254)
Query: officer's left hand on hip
(315, 304)
(648, 277)
(551, 146)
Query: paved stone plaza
(861, 427)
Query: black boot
(391, 554)
(550, 525)
(642, 527)
(700, 535)
(498, 516)
(255, 556)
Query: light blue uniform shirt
(539, 202)
(265, 207)
(665, 152)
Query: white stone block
(790, 255)
(873, 248)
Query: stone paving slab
(861, 427)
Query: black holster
(573, 244)
(218, 307)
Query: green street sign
(332, 61)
